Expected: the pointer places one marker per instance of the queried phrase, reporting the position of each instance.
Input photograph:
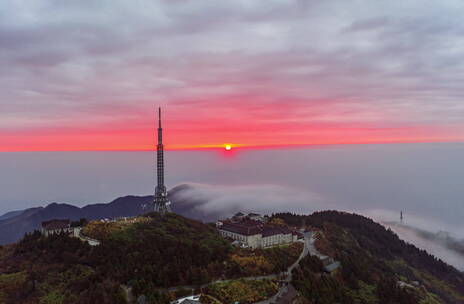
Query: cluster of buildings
(123, 219)
(57, 226)
(254, 231)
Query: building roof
(269, 230)
(249, 223)
(332, 267)
(188, 301)
(239, 214)
(56, 224)
(253, 214)
(241, 229)
(251, 227)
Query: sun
(228, 147)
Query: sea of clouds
(425, 181)
(211, 202)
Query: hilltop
(146, 256)
(14, 224)
(161, 257)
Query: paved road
(92, 242)
(268, 277)
(284, 289)
(287, 273)
(312, 249)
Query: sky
(88, 75)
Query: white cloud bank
(216, 201)
(437, 238)
(213, 201)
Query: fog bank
(426, 181)
(212, 202)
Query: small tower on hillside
(161, 201)
(401, 216)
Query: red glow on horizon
(220, 148)
(211, 134)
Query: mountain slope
(13, 228)
(157, 252)
(13, 225)
(152, 253)
(10, 214)
(377, 266)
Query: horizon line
(213, 147)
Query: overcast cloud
(392, 69)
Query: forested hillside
(151, 253)
(148, 256)
(14, 225)
(375, 262)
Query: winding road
(278, 298)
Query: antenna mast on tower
(161, 201)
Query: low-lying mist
(440, 243)
(440, 239)
(425, 181)
(211, 202)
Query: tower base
(162, 206)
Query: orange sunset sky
(250, 74)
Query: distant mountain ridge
(13, 225)
(10, 214)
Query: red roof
(241, 229)
(269, 230)
(251, 227)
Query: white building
(255, 234)
(56, 226)
(256, 217)
(188, 300)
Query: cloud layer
(211, 202)
(87, 75)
